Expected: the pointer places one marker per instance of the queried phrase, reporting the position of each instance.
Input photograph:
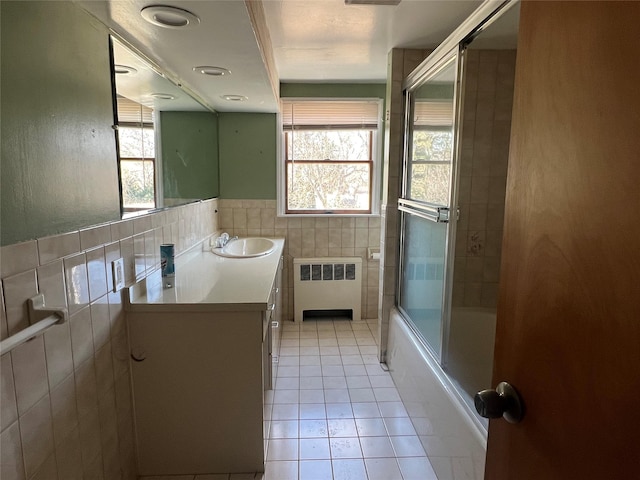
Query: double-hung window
(136, 139)
(331, 150)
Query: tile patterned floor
(334, 412)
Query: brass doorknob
(504, 402)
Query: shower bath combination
(452, 204)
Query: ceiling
(311, 41)
(326, 40)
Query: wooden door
(568, 334)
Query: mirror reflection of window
(431, 154)
(136, 139)
(432, 150)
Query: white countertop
(205, 281)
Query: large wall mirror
(168, 141)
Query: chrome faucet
(223, 239)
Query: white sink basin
(246, 248)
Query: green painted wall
(189, 155)
(58, 167)
(247, 155)
(333, 90)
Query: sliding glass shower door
(425, 204)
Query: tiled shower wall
(309, 237)
(488, 99)
(66, 409)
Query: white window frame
(125, 120)
(376, 157)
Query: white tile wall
(455, 446)
(65, 406)
(483, 172)
(309, 237)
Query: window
(429, 167)
(330, 156)
(136, 138)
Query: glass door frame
(426, 210)
(486, 14)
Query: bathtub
(453, 437)
(468, 358)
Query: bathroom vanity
(201, 360)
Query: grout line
(319, 334)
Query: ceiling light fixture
(124, 70)
(169, 17)
(212, 71)
(372, 2)
(235, 98)
(163, 96)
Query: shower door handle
(504, 402)
(428, 212)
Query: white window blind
(330, 155)
(329, 114)
(133, 112)
(433, 113)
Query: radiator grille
(327, 284)
(327, 271)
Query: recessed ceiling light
(235, 98)
(169, 17)
(124, 70)
(212, 71)
(163, 96)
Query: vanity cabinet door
(197, 385)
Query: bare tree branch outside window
(329, 170)
(137, 164)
